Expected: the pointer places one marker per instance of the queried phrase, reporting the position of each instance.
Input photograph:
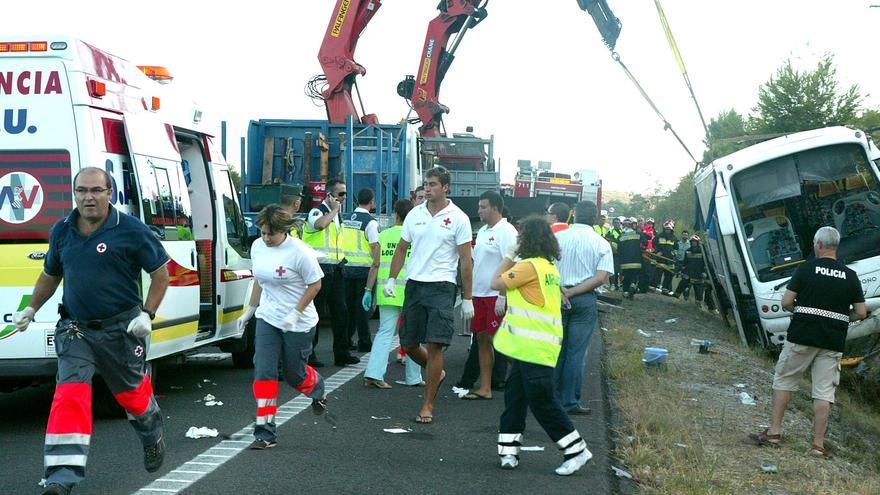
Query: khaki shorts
(796, 358)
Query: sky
(537, 77)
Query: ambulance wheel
(244, 359)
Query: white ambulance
(64, 105)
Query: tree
(793, 101)
(678, 204)
(727, 125)
(869, 121)
(236, 179)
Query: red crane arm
(336, 56)
(456, 16)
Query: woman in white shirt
(287, 278)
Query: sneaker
(55, 489)
(154, 455)
(372, 382)
(570, 466)
(262, 444)
(509, 462)
(319, 406)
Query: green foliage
(236, 179)
(727, 125)
(678, 204)
(793, 101)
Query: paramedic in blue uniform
(99, 253)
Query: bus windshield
(782, 202)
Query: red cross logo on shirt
(280, 271)
(101, 247)
(447, 221)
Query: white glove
(140, 326)
(290, 321)
(21, 319)
(390, 289)
(500, 305)
(467, 309)
(245, 318)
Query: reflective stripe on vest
(326, 240)
(529, 332)
(354, 240)
(388, 241)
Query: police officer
(323, 232)
(360, 241)
(99, 253)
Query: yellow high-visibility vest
(354, 240)
(388, 241)
(326, 240)
(529, 332)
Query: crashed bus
(761, 207)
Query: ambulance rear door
(165, 207)
(38, 150)
(233, 250)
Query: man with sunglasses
(99, 253)
(323, 232)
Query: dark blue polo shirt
(102, 271)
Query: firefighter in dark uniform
(665, 246)
(630, 251)
(646, 275)
(694, 274)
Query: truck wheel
(244, 359)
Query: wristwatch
(152, 314)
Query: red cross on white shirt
(447, 221)
(280, 271)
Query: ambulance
(65, 105)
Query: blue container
(655, 357)
(373, 156)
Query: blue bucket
(655, 357)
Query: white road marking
(236, 445)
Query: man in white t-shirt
(494, 240)
(440, 234)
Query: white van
(64, 105)
(763, 204)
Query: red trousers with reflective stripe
(71, 409)
(136, 401)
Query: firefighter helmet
(695, 237)
(669, 224)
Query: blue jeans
(578, 324)
(382, 347)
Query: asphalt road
(455, 454)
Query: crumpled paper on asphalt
(203, 432)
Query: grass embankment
(684, 430)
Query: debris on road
(620, 473)
(769, 468)
(460, 392)
(382, 417)
(746, 399)
(203, 432)
(209, 397)
(212, 403)
(535, 448)
(396, 430)
(739, 385)
(671, 320)
(643, 333)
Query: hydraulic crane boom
(336, 56)
(456, 17)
